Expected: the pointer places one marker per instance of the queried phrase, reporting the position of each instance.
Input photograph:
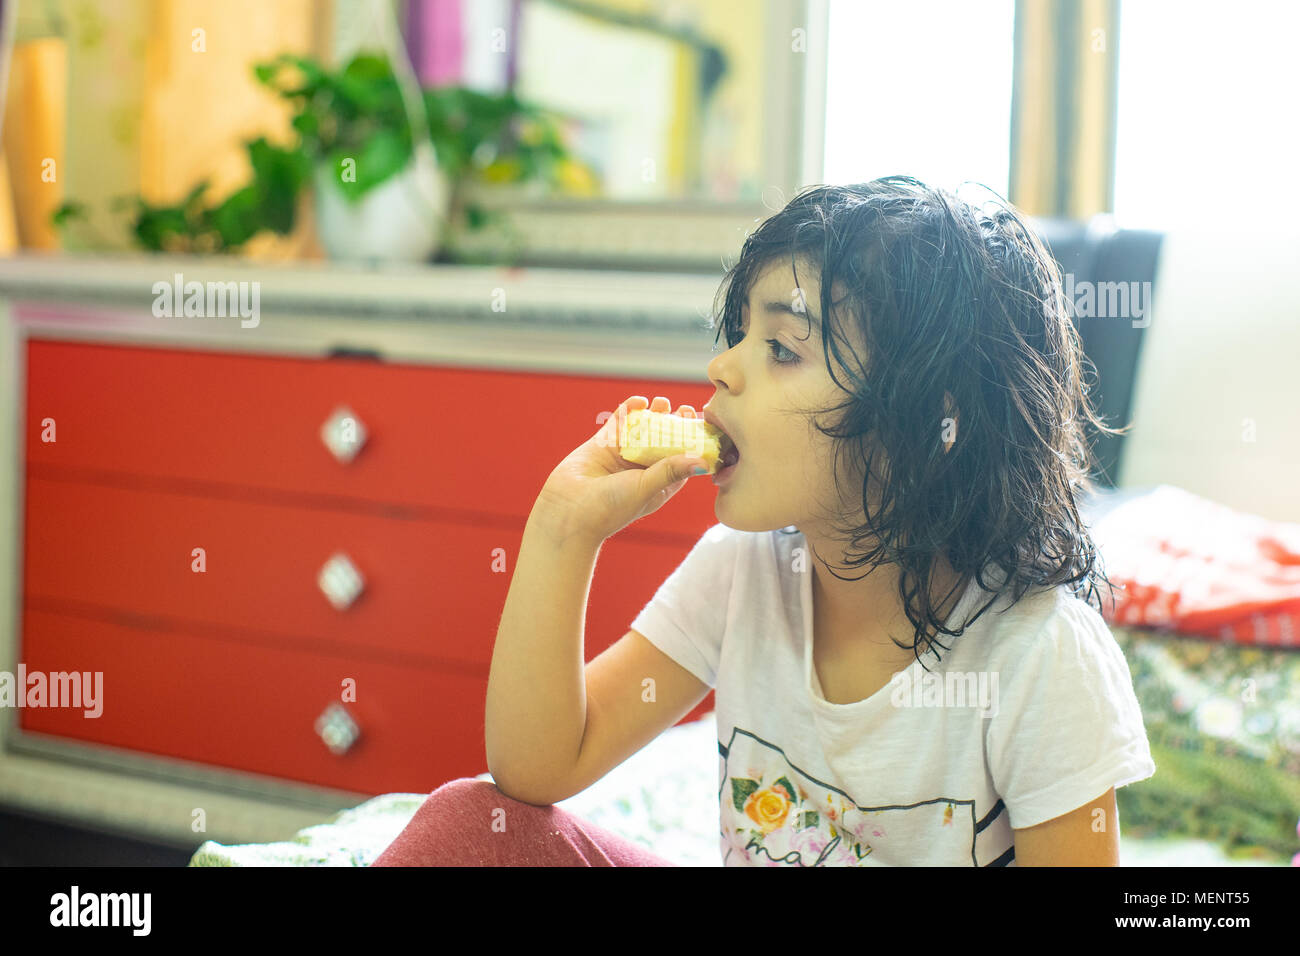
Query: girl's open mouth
(727, 462)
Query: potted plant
(380, 192)
(377, 197)
(267, 202)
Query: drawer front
(254, 709)
(432, 591)
(434, 437)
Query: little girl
(905, 391)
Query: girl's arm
(536, 697)
(1086, 836)
(536, 710)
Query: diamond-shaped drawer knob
(340, 581)
(337, 728)
(344, 434)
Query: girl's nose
(724, 371)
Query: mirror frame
(688, 234)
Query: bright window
(1207, 111)
(921, 88)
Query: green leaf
(476, 217)
(741, 788)
(155, 224)
(368, 89)
(238, 218)
(191, 200)
(278, 175)
(67, 212)
(384, 155)
(307, 124)
(368, 67)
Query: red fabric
(469, 822)
(1183, 563)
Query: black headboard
(1097, 252)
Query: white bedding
(663, 797)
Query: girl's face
(783, 476)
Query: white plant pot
(400, 220)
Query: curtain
(1063, 107)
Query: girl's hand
(594, 493)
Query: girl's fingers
(660, 404)
(631, 404)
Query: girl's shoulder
(1050, 623)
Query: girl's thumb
(678, 469)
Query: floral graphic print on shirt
(774, 815)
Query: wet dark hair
(954, 298)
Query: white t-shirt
(1049, 722)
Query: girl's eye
(773, 346)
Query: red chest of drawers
(190, 534)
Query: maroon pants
(469, 822)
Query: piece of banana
(647, 437)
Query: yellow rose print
(768, 808)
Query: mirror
(657, 100)
(694, 117)
(663, 101)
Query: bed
(1179, 817)
(1226, 791)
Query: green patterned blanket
(1223, 721)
